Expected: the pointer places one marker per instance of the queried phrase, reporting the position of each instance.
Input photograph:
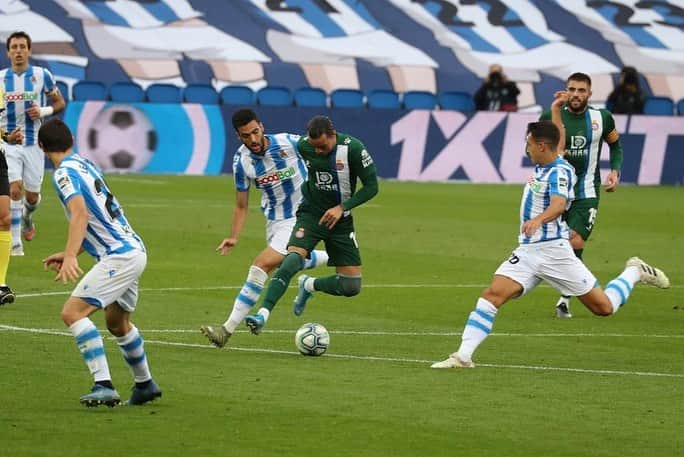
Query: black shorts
(4, 180)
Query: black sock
(143, 385)
(108, 384)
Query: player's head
(19, 48)
(579, 91)
(54, 136)
(542, 141)
(250, 130)
(322, 134)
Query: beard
(577, 106)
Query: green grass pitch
(587, 386)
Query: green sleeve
(364, 167)
(610, 133)
(545, 116)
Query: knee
(117, 328)
(350, 285)
(5, 221)
(576, 241)
(69, 316)
(493, 297)
(15, 191)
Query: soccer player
(334, 161)
(97, 224)
(544, 252)
(25, 87)
(6, 294)
(586, 128)
(273, 164)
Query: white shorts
(278, 234)
(551, 261)
(25, 163)
(113, 279)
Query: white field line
(368, 286)
(375, 358)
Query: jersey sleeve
(242, 181)
(363, 166)
(559, 183)
(545, 116)
(610, 133)
(67, 183)
(49, 81)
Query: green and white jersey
(332, 179)
(584, 137)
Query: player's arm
(239, 218)
(613, 140)
(559, 99)
(78, 223)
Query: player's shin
(478, 327)
(90, 344)
(133, 351)
(281, 279)
(247, 297)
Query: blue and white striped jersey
(20, 92)
(555, 178)
(279, 174)
(108, 230)
(131, 13)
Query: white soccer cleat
(453, 361)
(649, 275)
(563, 308)
(17, 250)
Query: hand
(559, 99)
(34, 111)
(69, 271)
(16, 136)
(530, 227)
(331, 217)
(612, 180)
(226, 245)
(53, 262)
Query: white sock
(618, 289)
(264, 312)
(309, 284)
(477, 328)
(246, 298)
(16, 207)
(133, 350)
(90, 344)
(316, 259)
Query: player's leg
(342, 247)
(6, 294)
(15, 170)
(513, 278)
(606, 302)
(34, 170)
(75, 314)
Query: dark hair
(544, 131)
(19, 34)
(318, 125)
(243, 117)
(55, 136)
(582, 77)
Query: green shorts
(340, 242)
(581, 216)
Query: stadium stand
(274, 96)
(237, 95)
(163, 93)
(384, 99)
(457, 101)
(89, 90)
(200, 93)
(126, 92)
(310, 96)
(346, 98)
(680, 107)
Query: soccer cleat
(217, 335)
(101, 395)
(28, 228)
(17, 250)
(6, 295)
(302, 296)
(649, 274)
(453, 361)
(255, 322)
(563, 308)
(142, 396)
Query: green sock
(578, 253)
(292, 263)
(330, 285)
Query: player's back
(108, 229)
(278, 173)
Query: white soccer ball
(120, 139)
(312, 339)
